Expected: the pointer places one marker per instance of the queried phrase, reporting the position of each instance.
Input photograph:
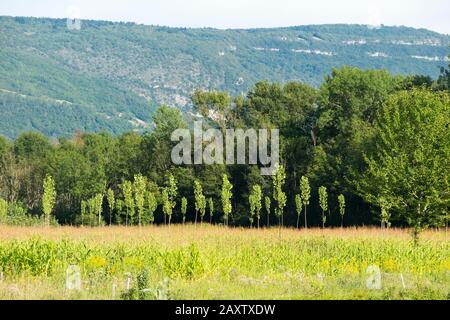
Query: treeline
(366, 147)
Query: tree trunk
(306, 222)
(323, 221)
(298, 220)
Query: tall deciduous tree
(139, 188)
(306, 195)
(127, 190)
(323, 202)
(226, 198)
(298, 207)
(152, 204)
(279, 195)
(211, 209)
(198, 196)
(111, 203)
(257, 199)
(172, 190)
(98, 200)
(409, 163)
(167, 204)
(184, 204)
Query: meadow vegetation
(215, 262)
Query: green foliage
(83, 212)
(349, 136)
(298, 207)
(189, 263)
(167, 205)
(211, 209)
(255, 200)
(172, 189)
(99, 207)
(226, 198)
(267, 206)
(111, 203)
(306, 194)
(152, 204)
(45, 67)
(48, 198)
(200, 201)
(127, 190)
(323, 202)
(385, 215)
(408, 165)
(139, 188)
(184, 204)
(278, 180)
(341, 200)
(3, 209)
(15, 214)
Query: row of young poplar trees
(139, 200)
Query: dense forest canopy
(112, 76)
(378, 145)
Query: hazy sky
(430, 14)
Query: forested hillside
(366, 147)
(112, 76)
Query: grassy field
(212, 262)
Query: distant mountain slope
(112, 75)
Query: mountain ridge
(116, 73)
